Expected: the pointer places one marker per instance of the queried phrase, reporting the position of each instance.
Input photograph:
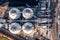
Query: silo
(28, 28)
(14, 13)
(28, 13)
(14, 28)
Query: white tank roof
(28, 28)
(44, 26)
(44, 20)
(58, 22)
(14, 13)
(58, 16)
(28, 13)
(14, 28)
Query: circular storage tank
(14, 13)
(28, 28)
(28, 13)
(14, 28)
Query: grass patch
(3, 38)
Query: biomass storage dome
(14, 28)
(28, 13)
(14, 13)
(28, 28)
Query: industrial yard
(31, 20)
